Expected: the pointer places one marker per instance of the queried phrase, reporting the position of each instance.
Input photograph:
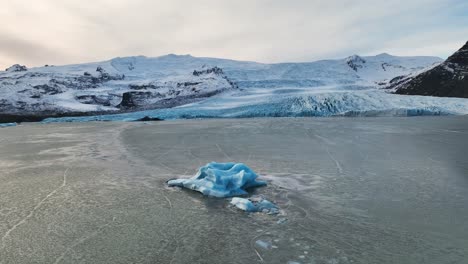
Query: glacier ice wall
(353, 101)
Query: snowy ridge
(103, 87)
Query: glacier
(221, 180)
(298, 102)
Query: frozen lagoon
(354, 190)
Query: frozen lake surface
(353, 190)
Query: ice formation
(221, 180)
(255, 204)
(7, 124)
(264, 244)
(332, 101)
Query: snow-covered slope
(101, 87)
(141, 83)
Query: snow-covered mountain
(448, 79)
(101, 87)
(140, 83)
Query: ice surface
(221, 180)
(390, 167)
(7, 124)
(255, 204)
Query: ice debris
(282, 221)
(255, 204)
(7, 124)
(221, 180)
(264, 244)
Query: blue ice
(255, 204)
(221, 180)
(7, 124)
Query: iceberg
(221, 180)
(255, 204)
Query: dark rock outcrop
(104, 100)
(449, 79)
(215, 70)
(134, 99)
(147, 119)
(105, 76)
(355, 62)
(16, 68)
(143, 86)
(48, 89)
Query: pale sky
(39, 32)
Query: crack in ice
(337, 163)
(35, 208)
(223, 152)
(327, 142)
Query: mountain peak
(384, 55)
(176, 56)
(16, 68)
(354, 57)
(449, 79)
(355, 62)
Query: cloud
(71, 31)
(20, 50)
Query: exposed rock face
(215, 70)
(355, 62)
(449, 79)
(148, 119)
(104, 100)
(105, 76)
(134, 99)
(16, 68)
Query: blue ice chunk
(264, 244)
(7, 124)
(282, 221)
(255, 204)
(221, 180)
